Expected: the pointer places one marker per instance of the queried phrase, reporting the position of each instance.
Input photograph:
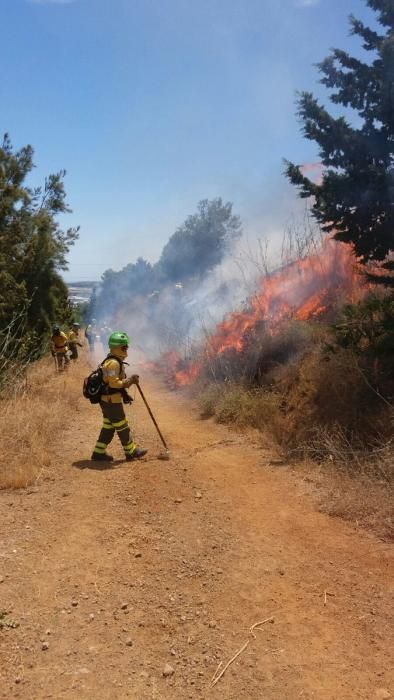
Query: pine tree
(355, 199)
(201, 242)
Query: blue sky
(152, 105)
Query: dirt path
(112, 574)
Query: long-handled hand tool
(162, 455)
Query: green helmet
(117, 339)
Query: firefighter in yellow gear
(73, 341)
(112, 399)
(59, 348)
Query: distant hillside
(85, 283)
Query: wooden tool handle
(151, 415)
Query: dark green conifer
(355, 199)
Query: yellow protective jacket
(59, 343)
(73, 337)
(114, 376)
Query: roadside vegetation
(311, 380)
(35, 403)
(35, 415)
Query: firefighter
(59, 348)
(90, 334)
(112, 399)
(73, 341)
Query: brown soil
(113, 573)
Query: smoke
(170, 303)
(179, 301)
(180, 314)
(177, 315)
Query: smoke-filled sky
(152, 105)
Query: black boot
(137, 454)
(101, 457)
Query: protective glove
(126, 398)
(134, 379)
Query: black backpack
(94, 385)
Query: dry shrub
(34, 419)
(320, 406)
(232, 403)
(330, 395)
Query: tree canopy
(201, 242)
(33, 247)
(195, 248)
(355, 199)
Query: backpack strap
(114, 357)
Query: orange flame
(303, 290)
(189, 375)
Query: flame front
(303, 290)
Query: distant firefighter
(73, 341)
(59, 348)
(90, 333)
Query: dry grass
(358, 486)
(332, 445)
(357, 497)
(246, 408)
(34, 418)
(364, 501)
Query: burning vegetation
(308, 289)
(307, 361)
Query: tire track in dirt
(121, 571)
